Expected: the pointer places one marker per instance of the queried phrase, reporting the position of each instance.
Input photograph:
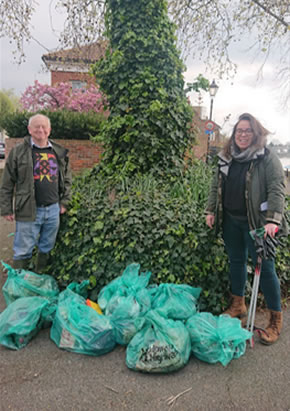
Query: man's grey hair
(38, 115)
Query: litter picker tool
(265, 249)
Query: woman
(247, 193)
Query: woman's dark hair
(259, 138)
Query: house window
(78, 84)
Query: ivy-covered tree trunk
(127, 209)
(141, 75)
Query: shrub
(153, 221)
(7, 105)
(67, 125)
(148, 219)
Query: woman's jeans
(239, 243)
(41, 233)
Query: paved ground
(43, 377)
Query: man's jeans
(239, 243)
(41, 233)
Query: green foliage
(7, 106)
(65, 124)
(155, 221)
(15, 124)
(141, 76)
(283, 258)
(200, 83)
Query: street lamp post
(213, 88)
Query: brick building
(205, 143)
(73, 65)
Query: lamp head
(213, 88)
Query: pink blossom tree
(42, 96)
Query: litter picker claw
(265, 248)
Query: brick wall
(66, 77)
(203, 142)
(200, 147)
(82, 153)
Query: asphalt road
(43, 377)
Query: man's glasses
(248, 131)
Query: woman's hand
(270, 229)
(210, 220)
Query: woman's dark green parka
(264, 194)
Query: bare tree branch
(268, 11)
(208, 29)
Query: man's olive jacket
(18, 180)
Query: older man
(37, 171)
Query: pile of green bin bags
(159, 325)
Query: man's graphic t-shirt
(45, 174)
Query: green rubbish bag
(79, 328)
(124, 300)
(175, 301)
(126, 311)
(80, 288)
(217, 338)
(131, 277)
(128, 284)
(49, 311)
(141, 297)
(23, 283)
(161, 345)
(21, 320)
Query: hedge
(67, 125)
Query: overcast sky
(242, 94)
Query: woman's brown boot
(272, 332)
(238, 307)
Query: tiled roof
(84, 54)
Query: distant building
(206, 143)
(73, 65)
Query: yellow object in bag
(94, 305)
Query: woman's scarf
(251, 153)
